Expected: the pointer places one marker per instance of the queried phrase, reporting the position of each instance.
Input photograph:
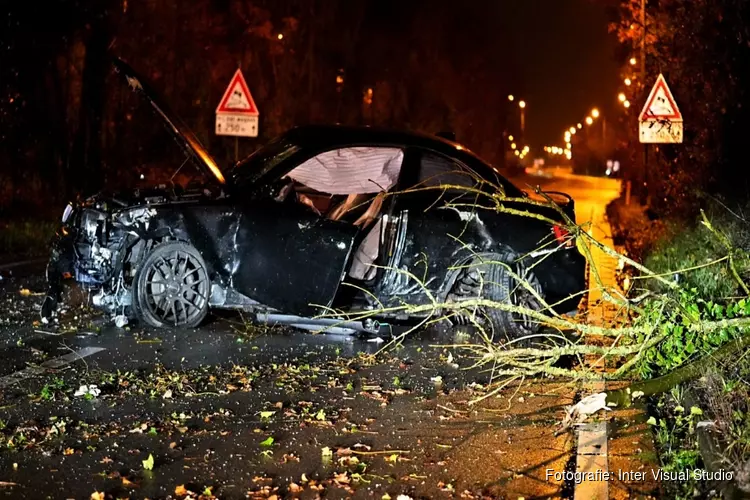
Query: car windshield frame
(263, 160)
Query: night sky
(567, 61)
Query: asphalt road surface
(236, 411)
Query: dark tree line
(703, 49)
(67, 124)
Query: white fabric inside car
(362, 265)
(359, 170)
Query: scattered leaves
(268, 441)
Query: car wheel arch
(455, 270)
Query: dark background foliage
(67, 124)
(703, 49)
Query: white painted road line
(592, 459)
(21, 263)
(51, 364)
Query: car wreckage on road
(323, 224)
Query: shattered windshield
(263, 160)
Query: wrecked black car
(322, 223)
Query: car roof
(317, 136)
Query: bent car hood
(184, 136)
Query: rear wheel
(489, 277)
(171, 287)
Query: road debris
(88, 391)
(580, 411)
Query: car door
(293, 258)
(288, 257)
(429, 228)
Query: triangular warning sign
(237, 97)
(660, 104)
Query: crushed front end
(98, 245)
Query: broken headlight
(66, 213)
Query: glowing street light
(510, 97)
(626, 104)
(521, 104)
(525, 149)
(595, 113)
(510, 138)
(589, 120)
(628, 81)
(280, 36)
(579, 126)
(633, 61)
(513, 145)
(621, 97)
(517, 152)
(572, 130)
(567, 145)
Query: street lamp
(633, 61)
(580, 126)
(628, 81)
(621, 97)
(510, 138)
(626, 104)
(513, 145)
(572, 130)
(510, 97)
(595, 113)
(589, 120)
(522, 105)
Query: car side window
(346, 184)
(437, 170)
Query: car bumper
(563, 278)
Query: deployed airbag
(351, 170)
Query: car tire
(487, 277)
(172, 287)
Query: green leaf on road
(267, 442)
(148, 464)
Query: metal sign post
(660, 122)
(237, 115)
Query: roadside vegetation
(25, 238)
(702, 422)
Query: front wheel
(171, 287)
(505, 279)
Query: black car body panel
(277, 256)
